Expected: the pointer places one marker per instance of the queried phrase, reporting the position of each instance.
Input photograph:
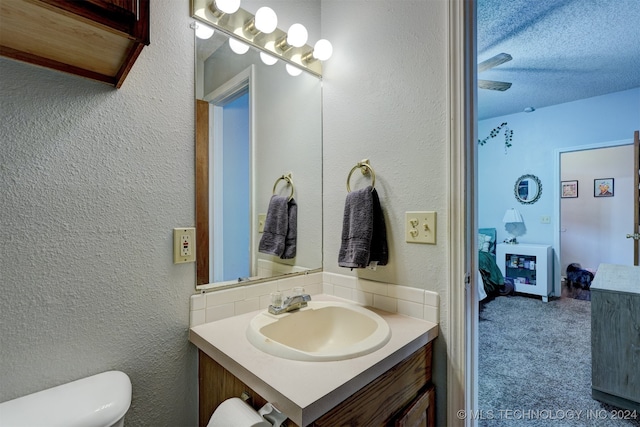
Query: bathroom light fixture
(322, 51)
(268, 59)
(513, 224)
(293, 71)
(220, 7)
(529, 109)
(203, 32)
(265, 21)
(260, 31)
(295, 37)
(237, 46)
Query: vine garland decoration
(508, 136)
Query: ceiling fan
(494, 61)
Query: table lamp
(514, 224)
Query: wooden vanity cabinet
(403, 396)
(97, 39)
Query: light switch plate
(184, 245)
(420, 227)
(261, 219)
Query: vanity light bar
(235, 25)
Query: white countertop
(617, 278)
(304, 391)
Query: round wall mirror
(528, 189)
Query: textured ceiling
(562, 50)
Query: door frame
(462, 316)
(557, 274)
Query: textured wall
(385, 99)
(93, 180)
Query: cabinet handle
(137, 10)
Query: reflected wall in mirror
(254, 124)
(528, 189)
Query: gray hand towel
(276, 225)
(280, 228)
(364, 236)
(290, 241)
(379, 248)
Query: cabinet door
(420, 413)
(127, 16)
(378, 402)
(615, 344)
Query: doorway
(229, 141)
(231, 190)
(536, 137)
(592, 228)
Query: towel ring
(365, 168)
(289, 180)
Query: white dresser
(528, 266)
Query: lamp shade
(512, 216)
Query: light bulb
(293, 71)
(266, 20)
(227, 6)
(297, 35)
(203, 31)
(268, 59)
(322, 50)
(237, 46)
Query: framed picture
(603, 187)
(569, 189)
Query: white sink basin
(322, 331)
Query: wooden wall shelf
(96, 39)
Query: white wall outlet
(545, 219)
(184, 245)
(261, 219)
(420, 227)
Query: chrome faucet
(291, 303)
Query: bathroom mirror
(528, 189)
(277, 122)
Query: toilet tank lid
(96, 401)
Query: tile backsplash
(418, 303)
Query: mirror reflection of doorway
(231, 190)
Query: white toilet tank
(97, 401)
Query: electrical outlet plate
(420, 227)
(184, 245)
(261, 220)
